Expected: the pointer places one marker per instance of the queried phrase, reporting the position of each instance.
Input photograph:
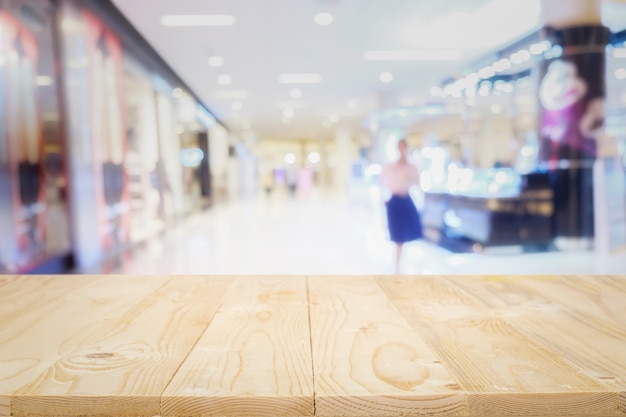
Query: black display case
(500, 209)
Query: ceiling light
(323, 19)
(290, 158)
(231, 95)
(216, 61)
(520, 56)
(304, 78)
(177, 93)
(496, 108)
(44, 81)
(414, 55)
(288, 112)
(502, 65)
(386, 77)
(487, 72)
(333, 118)
(237, 105)
(197, 20)
(540, 47)
(352, 103)
(225, 79)
(620, 74)
(295, 93)
(314, 157)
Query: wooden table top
(298, 346)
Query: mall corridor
(325, 234)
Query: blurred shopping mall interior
(249, 136)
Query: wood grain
(5, 406)
(495, 363)
(40, 313)
(121, 363)
(254, 359)
(501, 346)
(582, 322)
(367, 358)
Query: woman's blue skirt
(403, 219)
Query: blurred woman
(403, 219)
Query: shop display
(495, 208)
(21, 163)
(108, 134)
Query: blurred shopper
(305, 181)
(403, 220)
(267, 181)
(291, 174)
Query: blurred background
(248, 137)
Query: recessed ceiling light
(323, 19)
(225, 79)
(414, 55)
(295, 93)
(304, 78)
(333, 118)
(197, 20)
(290, 158)
(314, 157)
(216, 61)
(44, 81)
(237, 105)
(386, 77)
(231, 95)
(352, 103)
(288, 112)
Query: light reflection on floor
(325, 234)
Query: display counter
(490, 209)
(312, 346)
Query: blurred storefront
(101, 151)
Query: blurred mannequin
(403, 220)
(108, 125)
(26, 125)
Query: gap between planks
(308, 302)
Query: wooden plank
(45, 308)
(120, 364)
(5, 406)
(254, 359)
(581, 320)
(367, 358)
(503, 370)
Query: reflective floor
(325, 234)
